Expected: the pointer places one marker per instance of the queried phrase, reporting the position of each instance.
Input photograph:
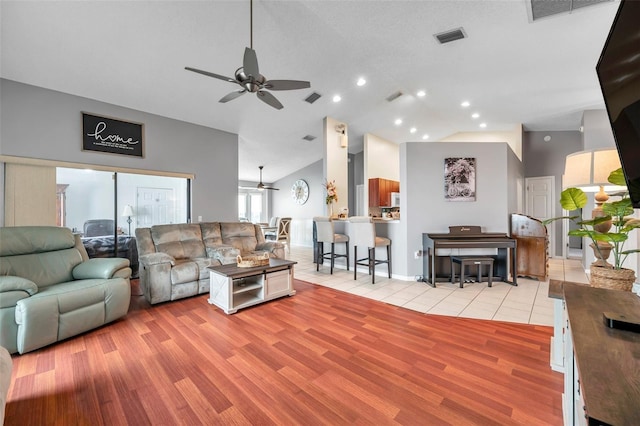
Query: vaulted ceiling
(132, 53)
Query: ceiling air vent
(451, 35)
(313, 97)
(394, 96)
(309, 138)
(544, 8)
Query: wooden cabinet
(380, 191)
(600, 363)
(532, 243)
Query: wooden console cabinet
(380, 191)
(533, 242)
(600, 363)
(232, 288)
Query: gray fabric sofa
(174, 258)
(50, 290)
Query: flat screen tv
(619, 73)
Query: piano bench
(465, 261)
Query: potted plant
(608, 238)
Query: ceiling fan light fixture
(261, 186)
(249, 78)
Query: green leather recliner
(50, 290)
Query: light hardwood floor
(322, 356)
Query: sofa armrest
(156, 259)
(99, 268)
(13, 283)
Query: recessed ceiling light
(475, 115)
(425, 136)
(465, 104)
(398, 121)
(421, 94)
(336, 98)
(413, 130)
(483, 125)
(361, 82)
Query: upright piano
(436, 247)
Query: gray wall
(596, 130)
(424, 208)
(301, 215)
(543, 158)
(45, 124)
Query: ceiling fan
(249, 78)
(261, 185)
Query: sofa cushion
(182, 241)
(211, 234)
(223, 253)
(203, 265)
(241, 235)
(34, 239)
(184, 271)
(44, 269)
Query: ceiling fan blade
(269, 99)
(210, 74)
(231, 96)
(286, 84)
(271, 188)
(250, 63)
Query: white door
(156, 206)
(540, 204)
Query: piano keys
(438, 246)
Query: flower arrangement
(332, 194)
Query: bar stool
(363, 233)
(325, 234)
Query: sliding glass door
(105, 208)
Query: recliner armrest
(157, 258)
(99, 268)
(13, 283)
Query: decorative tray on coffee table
(251, 261)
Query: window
(251, 206)
(90, 198)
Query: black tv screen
(619, 73)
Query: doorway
(540, 204)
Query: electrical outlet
(199, 218)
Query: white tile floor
(527, 303)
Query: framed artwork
(460, 179)
(112, 135)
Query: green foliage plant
(616, 211)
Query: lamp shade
(127, 211)
(590, 169)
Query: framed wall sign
(460, 179)
(112, 135)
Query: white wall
(382, 158)
(301, 214)
(45, 124)
(513, 138)
(336, 166)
